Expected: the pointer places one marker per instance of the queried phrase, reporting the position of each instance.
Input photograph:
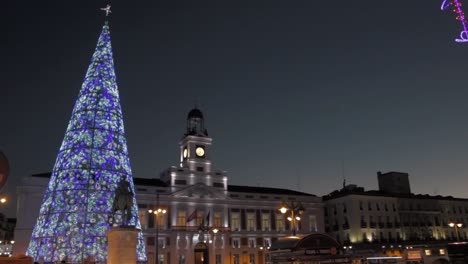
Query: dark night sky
(289, 89)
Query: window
(218, 184)
(312, 223)
(217, 219)
(252, 259)
(218, 259)
(159, 218)
(142, 216)
(377, 206)
(360, 205)
(236, 242)
(344, 208)
(250, 221)
(251, 242)
(267, 242)
(386, 207)
(200, 218)
(235, 221)
(181, 259)
(279, 222)
(150, 221)
(181, 218)
(180, 182)
(236, 259)
(199, 168)
(369, 206)
(394, 207)
(266, 222)
(160, 259)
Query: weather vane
(107, 10)
(457, 9)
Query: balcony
(381, 225)
(197, 228)
(363, 224)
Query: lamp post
(157, 212)
(296, 209)
(456, 226)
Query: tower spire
(93, 158)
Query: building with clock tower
(190, 214)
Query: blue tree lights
(75, 212)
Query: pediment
(200, 190)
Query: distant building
(353, 215)
(7, 228)
(199, 201)
(394, 182)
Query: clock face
(200, 151)
(185, 153)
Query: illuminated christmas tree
(93, 158)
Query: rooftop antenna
(343, 173)
(298, 180)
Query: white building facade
(206, 220)
(353, 215)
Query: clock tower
(195, 167)
(195, 146)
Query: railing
(198, 228)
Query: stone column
(122, 243)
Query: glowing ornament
(457, 9)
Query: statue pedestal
(122, 243)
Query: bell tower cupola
(196, 124)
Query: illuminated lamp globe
(4, 169)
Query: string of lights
(456, 6)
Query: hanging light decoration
(456, 7)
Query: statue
(123, 201)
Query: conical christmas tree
(93, 158)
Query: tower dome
(195, 113)
(196, 123)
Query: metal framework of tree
(76, 210)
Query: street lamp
(296, 209)
(157, 212)
(456, 226)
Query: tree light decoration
(457, 9)
(76, 209)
